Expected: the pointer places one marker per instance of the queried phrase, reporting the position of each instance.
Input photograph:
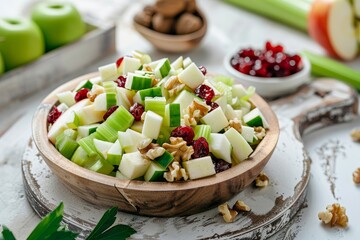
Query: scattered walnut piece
(173, 85)
(236, 124)
(356, 176)
(179, 149)
(260, 132)
(262, 180)
(355, 135)
(150, 150)
(176, 173)
(94, 92)
(334, 215)
(194, 112)
(240, 206)
(227, 213)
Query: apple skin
(21, 41)
(318, 24)
(60, 23)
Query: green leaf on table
(118, 232)
(48, 225)
(7, 234)
(63, 235)
(105, 222)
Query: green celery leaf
(48, 225)
(118, 232)
(7, 234)
(105, 222)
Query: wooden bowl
(152, 198)
(173, 43)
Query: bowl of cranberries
(270, 69)
(155, 137)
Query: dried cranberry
(109, 112)
(213, 105)
(185, 132)
(54, 114)
(137, 110)
(121, 81)
(203, 70)
(220, 165)
(119, 61)
(81, 94)
(205, 92)
(271, 61)
(201, 148)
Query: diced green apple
(73, 121)
(102, 147)
(108, 72)
(130, 140)
(132, 165)
(130, 65)
(86, 130)
(137, 126)
(248, 133)
(199, 167)
(255, 119)
(240, 148)
(178, 63)
(121, 176)
(61, 123)
(104, 101)
(154, 172)
(66, 97)
(202, 131)
(115, 153)
(89, 115)
(62, 107)
(216, 119)
(220, 146)
(187, 61)
(191, 76)
(84, 84)
(222, 102)
(152, 125)
(162, 69)
(143, 57)
(185, 98)
(137, 82)
(238, 90)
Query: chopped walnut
(240, 206)
(150, 150)
(95, 91)
(236, 124)
(178, 148)
(355, 135)
(173, 85)
(227, 213)
(147, 68)
(261, 180)
(176, 173)
(356, 176)
(334, 215)
(195, 111)
(260, 132)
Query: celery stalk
(325, 67)
(291, 12)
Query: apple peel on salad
(156, 121)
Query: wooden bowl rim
(52, 156)
(172, 37)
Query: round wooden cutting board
(319, 104)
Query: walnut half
(355, 135)
(240, 206)
(334, 215)
(356, 176)
(227, 213)
(262, 180)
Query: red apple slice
(330, 23)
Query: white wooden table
(228, 26)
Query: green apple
(21, 41)
(60, 23)
(2, 67)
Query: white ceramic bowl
(274, 86)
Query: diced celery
(102, 166)
(224, 79)
(137, 82)
(81, 158)
(110, 87)
(224, 89)
(66, 145)
(156, 104)
(164, 160)
(172, 115)
(137, 126)
(154, 172)
(111, 100)
(87, 143)
(202, 131)
(162, 69)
